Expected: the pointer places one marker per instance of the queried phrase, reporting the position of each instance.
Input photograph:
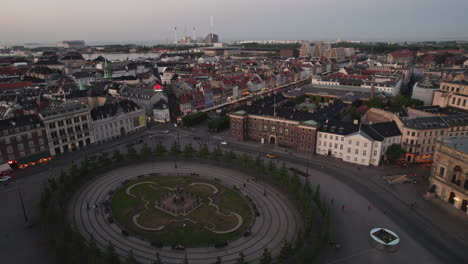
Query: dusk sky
(154, 20)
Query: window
(325, 136)
(336, 145)
(350, 142)
(341, 146)
(9, 149)
(356, 151)
(60, 123)
(413, 134)
(357, 143)
(365, 145)
(349, 150)
(375, 152)
(441, 172)
(319, 143)
(273, 129)
(286, 131)
(363, 152)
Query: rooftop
(457, 143)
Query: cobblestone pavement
(278, 220)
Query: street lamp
(26, 219)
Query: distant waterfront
(120, 56)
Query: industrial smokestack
(212, 25)
(194, 35)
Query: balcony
(411, 145)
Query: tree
(131, 258)
(94, 252)
(285, 252)
(111, 256)
(175, 148)
(246, 160)
(230, 156)
(217, 153)
(203, 151)
(415, 102)
(194, 118)
(241, 259)
(394, 152)
(283, 175)
(159, 150)
(218, 123)
(145, 151)
(299, 241)
(188, 151)
(158, 259)
(117, 156)
(131, 153)
(266, 257)
(218, 260)
(399, 100)
(375, 102)
(317, 194)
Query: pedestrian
(343, 207)
(369, 207)
(332, 201)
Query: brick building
(286, 128)
(23, 138)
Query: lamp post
(26, 219)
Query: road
(431, 231)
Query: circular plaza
(199, 210)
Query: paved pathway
(279, 219)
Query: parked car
(178, 247)
(223, 143)
(139, 141)
(236, 187)
(247, 232)
(125, 233)
(5, 179)
(196, 138)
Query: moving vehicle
(223, 143)
(4, 179)
(165, 131)
(236, 187)
(271, 156)
(178, 247)
(139, 141)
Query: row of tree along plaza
(57, 193)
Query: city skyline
(104, 22)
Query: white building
(161, 111)
(360, 144)
(111, 121)
(68, 127)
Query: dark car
(139, 141)
(110, 220)
(221, 244)
(257, 213)
(196, 138)
(178, 247)
(247, 232)
(125, 233)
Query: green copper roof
(241, 112)
(310, 122)
(82, 86)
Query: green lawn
(124, 207)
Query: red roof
(15, 85)
(402, 53)
(12, 71)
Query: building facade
(276, 130)
(68, 127)
(115, 120)
(449, 174)
(454, 94)
(360, 144)
(22, 137)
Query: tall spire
(107, 74)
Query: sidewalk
(431, 216)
